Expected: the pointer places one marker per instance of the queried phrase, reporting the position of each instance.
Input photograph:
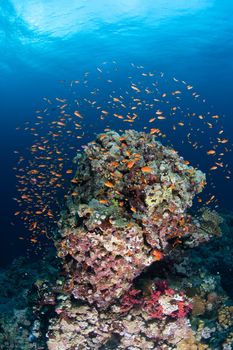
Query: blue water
(45, 41)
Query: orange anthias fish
(109, 184)
(101, 137)
(115, 99)
(157, 254)
(222, 140)
(135, 88)
(211, 152)
(114, 164)
(182, 221)
(151, 120)
(78, 114)
(103, 201)
(154, 131)
(134, 210)
(130, 164)
(146, 169)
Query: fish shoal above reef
(127, 209)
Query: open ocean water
(46, 44)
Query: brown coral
(198, 306)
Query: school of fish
(107, 99)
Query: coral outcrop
(126, 210)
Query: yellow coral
(191, 343)
(225, 316)
(188, 344)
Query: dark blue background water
(43, 41)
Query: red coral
(151, 305)
(183, 310)
(157, 313)
(130, 299)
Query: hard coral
(89, 328)
(133, 197)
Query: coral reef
(46, 313)
(86, 327)
(127, 278)
(126, 210)
(161, 319)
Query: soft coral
(152, 305)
